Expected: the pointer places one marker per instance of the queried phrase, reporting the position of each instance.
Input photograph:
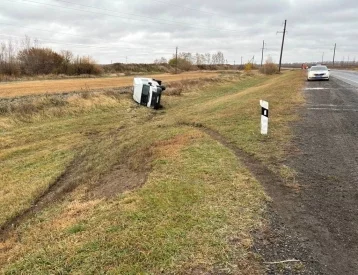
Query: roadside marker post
(264, 116)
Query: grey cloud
(144, 30)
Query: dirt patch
(133, 172)
(129, 174)
(121, 179)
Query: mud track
(62, 185)
(120, 178)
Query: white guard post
(264, 116)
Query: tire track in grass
(55, 190)
(121, 177)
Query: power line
(87, 45)
(37, 29)
(164, 2)
(188, 8)
(108, 46)
(220, 48)
(7, 24)
(129, 18)
(81, 45)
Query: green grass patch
(76, 228)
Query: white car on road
(318, 72)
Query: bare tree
(8, 60)
(208, 58)
(218, 58)
(200, 59)
(67, 56)
(187, 56)
(26, 43)
(161, 60)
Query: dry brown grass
(177, 88)
(171, 148)
(73, 212)
(269, 68)
(56, 105)
(69, 85)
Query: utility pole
(263, 48)
(334, 52)
(176, 60)
(283, 42)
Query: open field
(22, 88)
(122, 189)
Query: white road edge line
(331, 109)
(328, 105)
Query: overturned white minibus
(148, 92)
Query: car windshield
(319, 68)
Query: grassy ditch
(198, 203)
(234, 114)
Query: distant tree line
(28, 58)
(187, 60)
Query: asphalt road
(350, 77)
(324, 211)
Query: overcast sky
(141, 31)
